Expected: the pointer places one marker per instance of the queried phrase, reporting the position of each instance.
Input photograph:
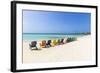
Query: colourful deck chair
(53, 43)
(48, 44)
(43, 44)
(33, 45)
(65, 40)
(59, 41)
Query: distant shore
(84, 33)
(78, 50)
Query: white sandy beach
(78, 50)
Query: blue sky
(55, 22)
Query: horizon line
(60, 33)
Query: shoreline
(51, 38)
(74, 51)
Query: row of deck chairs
(49, 43)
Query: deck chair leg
(36, 48)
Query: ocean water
(46, 36)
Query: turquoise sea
(46, 36)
